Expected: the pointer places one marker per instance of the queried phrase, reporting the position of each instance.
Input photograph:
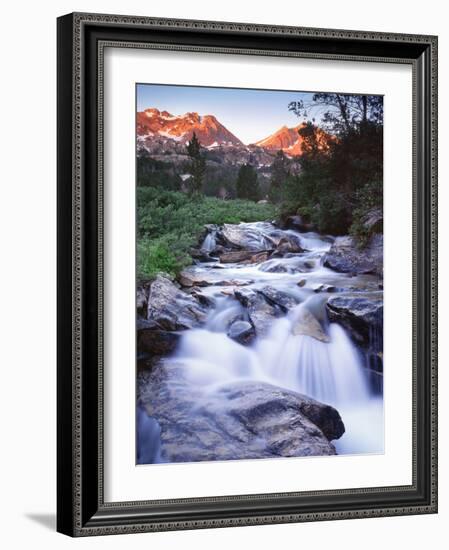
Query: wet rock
(260, 312)
(157, 342)
(373, 220)
(259, 258)
(142, 299)
(279, 298)
(145, 324)
(344, 256)
(324, 288)
(203, 299)
(242, 332)
(171, 308)
(242, 256)
(200, 255)
(274, 266)
(190, 278)
(284, 265)
(289, 244)
(245, 237)
(301, 282)
(240, 421)
(362, 315)
(306, 324)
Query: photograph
(259, 274)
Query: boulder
(260, 312)
(306, 324)
(289, 244)
(141, 299)
(284, 265)
(345, 257)
(279, 298)
(200, 255)
(157, 342)
(243, 420)
(242, 256)
(189, 277)
(242, 332)
(245, 237)
(362, 315)
(171, 308)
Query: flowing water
(331, 371)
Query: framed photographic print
(246, 274)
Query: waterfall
(318, 359)
(331, 372)
(209, 242)
(148, 438)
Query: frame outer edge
(65, 272)
(78, 20)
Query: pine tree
(247, 186)
(279, 174)
(197, 166)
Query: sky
(251, 115)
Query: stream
(321, 361)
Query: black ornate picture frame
(81, 508)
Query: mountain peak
(152, 123)
(288, 140)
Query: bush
(154, 257)
(170, 223)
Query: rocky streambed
(269, 345)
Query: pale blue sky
(251, 115)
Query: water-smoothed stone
(362, 315)
(191, 278)
(306, 324)
(157, 342)
(203, 299)
(324, 288)
(279, 298)
(242, 332)
(242, 256)
(284, 265)
(241, 420)
(142, 299)
(260, 312)
(345, 256)
(200, 255)
(245, 237)
(289, 244)
(259, 257)
(172, 308)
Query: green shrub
(170, 223)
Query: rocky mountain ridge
(160, 132)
